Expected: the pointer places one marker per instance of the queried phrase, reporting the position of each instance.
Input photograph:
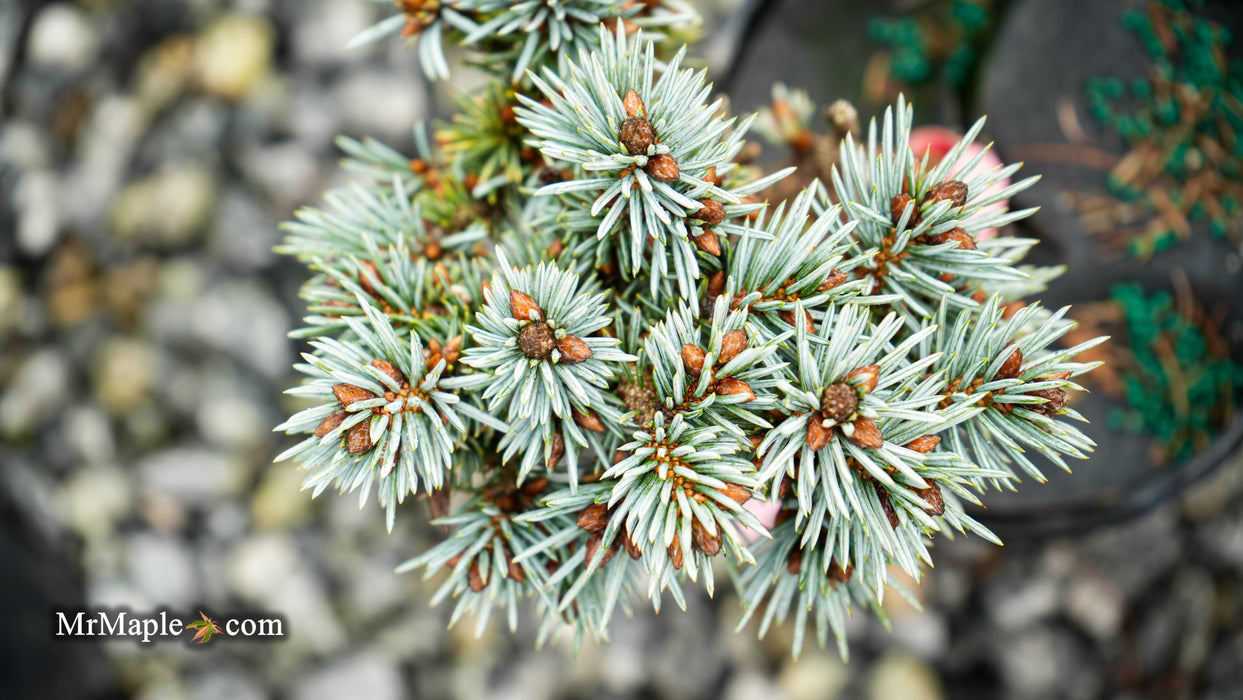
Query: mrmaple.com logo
(122, 624)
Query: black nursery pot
(1077, 41)
(1043, 52)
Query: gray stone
(899, 675)
(163, 571)
(242, 320)
(90, 434)
(1096, 603)
(1016, 605)
(62, 37)
(361, 676)
(105, 148)
(242, 233)
(229, 682)
(325, 27)
(192, 474)
(93, 499)
(383, 103)
(38, 390)
(816, 674)
(752, 685)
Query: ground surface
(148, 150)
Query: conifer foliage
(573, 325)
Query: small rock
(816, 674)
(38, 390)
(279, 502)
(324, 28)
(163, 570)
(124, 373)
(383, 103)
(228, 682)
(243, 233)
(362, 676)
(167, 209)
(94, 499)
(900, 675)
(192, 474)
(1016, 604)
(231, 422)
(62, 37)
(35, 200)
(89, 433)
(752, 685)
(1096, 604)
(287, 171)
(234, 55)
(105, 152)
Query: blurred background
(150, 148)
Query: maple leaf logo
(206, 628)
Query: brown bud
(839, 401)
(474, 577)
(897, 205)
(837, 573)
(358, 439)
(866, 434)
(733, 343)
(705, 541)
(588, 421)
(557, 450)
(594, 517)
(522, 306)
(693, 359)
(788, 316)
(1013, 363)
(1055, 400)
(348, 394)
(514, 569)
(924, 443)
(716, 284)
(708, 243)
(817, 435)
(536, 486)
(953, 190)
(453, 349)
(794, 564)
(573, 350)
(735, 387)
(932, 496)
(391, 370)
(663, 167)
(711, 213)
(835, 279)
(432, 251)
(593, 546)
(1012, 308)
(675, 554)
(631, 548)
(737, 493)
(886, 504)
(438, 502)
(868, 376)
(964, 240)
(369, 272)
(636, 135)
(536, 341)
(330, 423)
(634, 104)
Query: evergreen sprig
(570, 319)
